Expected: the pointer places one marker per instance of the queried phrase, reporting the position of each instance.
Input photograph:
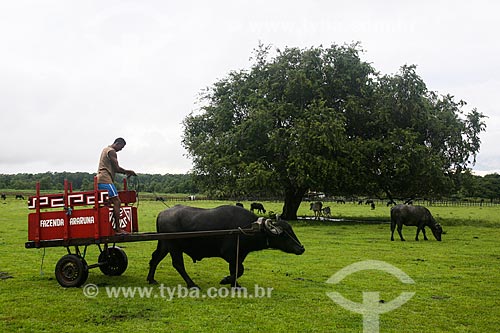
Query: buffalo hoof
(229, 280)
(194, 286)
(226, 280)
(153, 281)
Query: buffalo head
(280, 236)
(437, 231)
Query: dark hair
(120, 141)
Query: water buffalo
(326, 212)
(257, 206)
(417, 216)
(316, 207)
(275, 235)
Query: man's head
(119, 144)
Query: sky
(75, 75)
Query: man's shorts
(111, 188)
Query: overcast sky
(74, 75)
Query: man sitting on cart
(108, 167)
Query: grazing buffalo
(19, 196)
(239, 204)
(417, 216)
(4, 197)
(316, 208)
(275, 235)
(257, 206)
(326, 212)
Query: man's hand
(130, 173)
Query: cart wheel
(113, 261)
(71, 271)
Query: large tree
(416, 142)
(323, 119)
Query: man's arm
(114, 160)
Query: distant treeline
(82, 181)
(476, 187)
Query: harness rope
(237, 260)
(137, 187)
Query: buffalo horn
(272, 227)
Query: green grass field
(457, 281)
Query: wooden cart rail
(138, 237)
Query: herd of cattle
(18, 196)
(277, 234)
(402, 214)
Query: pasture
(457, 281)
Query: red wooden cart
(74, 219)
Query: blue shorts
(111, 188)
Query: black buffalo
(417, 216)
(275, 235)
(257, 206)
(326, 212)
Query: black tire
(71, 271)
(113, 261)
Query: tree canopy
(322, 119)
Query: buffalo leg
(400, 228)
(418, 231)
(157, 256)
(178, 263)
(231, 279)
(393, 227)
(423, 231)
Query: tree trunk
(293, 198)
